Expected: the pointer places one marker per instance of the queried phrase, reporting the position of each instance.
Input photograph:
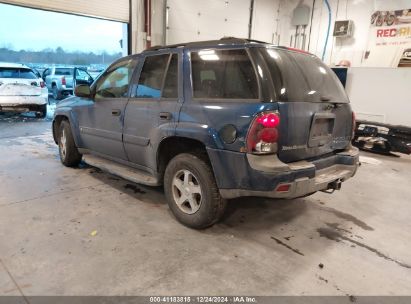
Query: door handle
(115, 112)
(166, 115)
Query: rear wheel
(69, 155)
(42, 113)
(56, 93)
(191, 191)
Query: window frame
(110, 69)
(246, 49)
(165, 76)
(139, 69)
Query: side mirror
(82, 90)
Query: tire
(198, 210)
(69, 155)
(42, 113)
(56, 93)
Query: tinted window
(151, 77)
(171, 82)
(223, 74)
(17, 73)
(114, 84)
(65, 72)
(301, 77)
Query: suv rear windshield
(301, 77)
(17, 73)
(65, 72)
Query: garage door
(117, 10)
(203, 20)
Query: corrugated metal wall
(117, 10)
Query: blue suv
(212, 121)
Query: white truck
(61, 81)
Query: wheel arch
(171, 146)
(59, 117)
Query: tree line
(57, 56)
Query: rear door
(316, 118)
(101, 118)
(153, 108)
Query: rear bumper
(17, 101)
(21, 104)
(263, 175)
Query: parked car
(21, 90)
(61, 80)
(212, 121)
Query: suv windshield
(17, 73)
(301, 77)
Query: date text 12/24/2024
(203, 299)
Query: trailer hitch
(335, 185)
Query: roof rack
(199, 43)
(160, 47)
(245, 40)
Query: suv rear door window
(223, 74)
(151, 77)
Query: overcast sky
(31, 29)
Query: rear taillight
(63, 80)
(263, 134)
(353, 124)
(42, 84)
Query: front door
(101, 120)
(81, 77)
(153, 108)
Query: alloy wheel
(186, 191)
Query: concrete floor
(48, 213)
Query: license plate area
(322, 128)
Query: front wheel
(69, 155)
(191, 191)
